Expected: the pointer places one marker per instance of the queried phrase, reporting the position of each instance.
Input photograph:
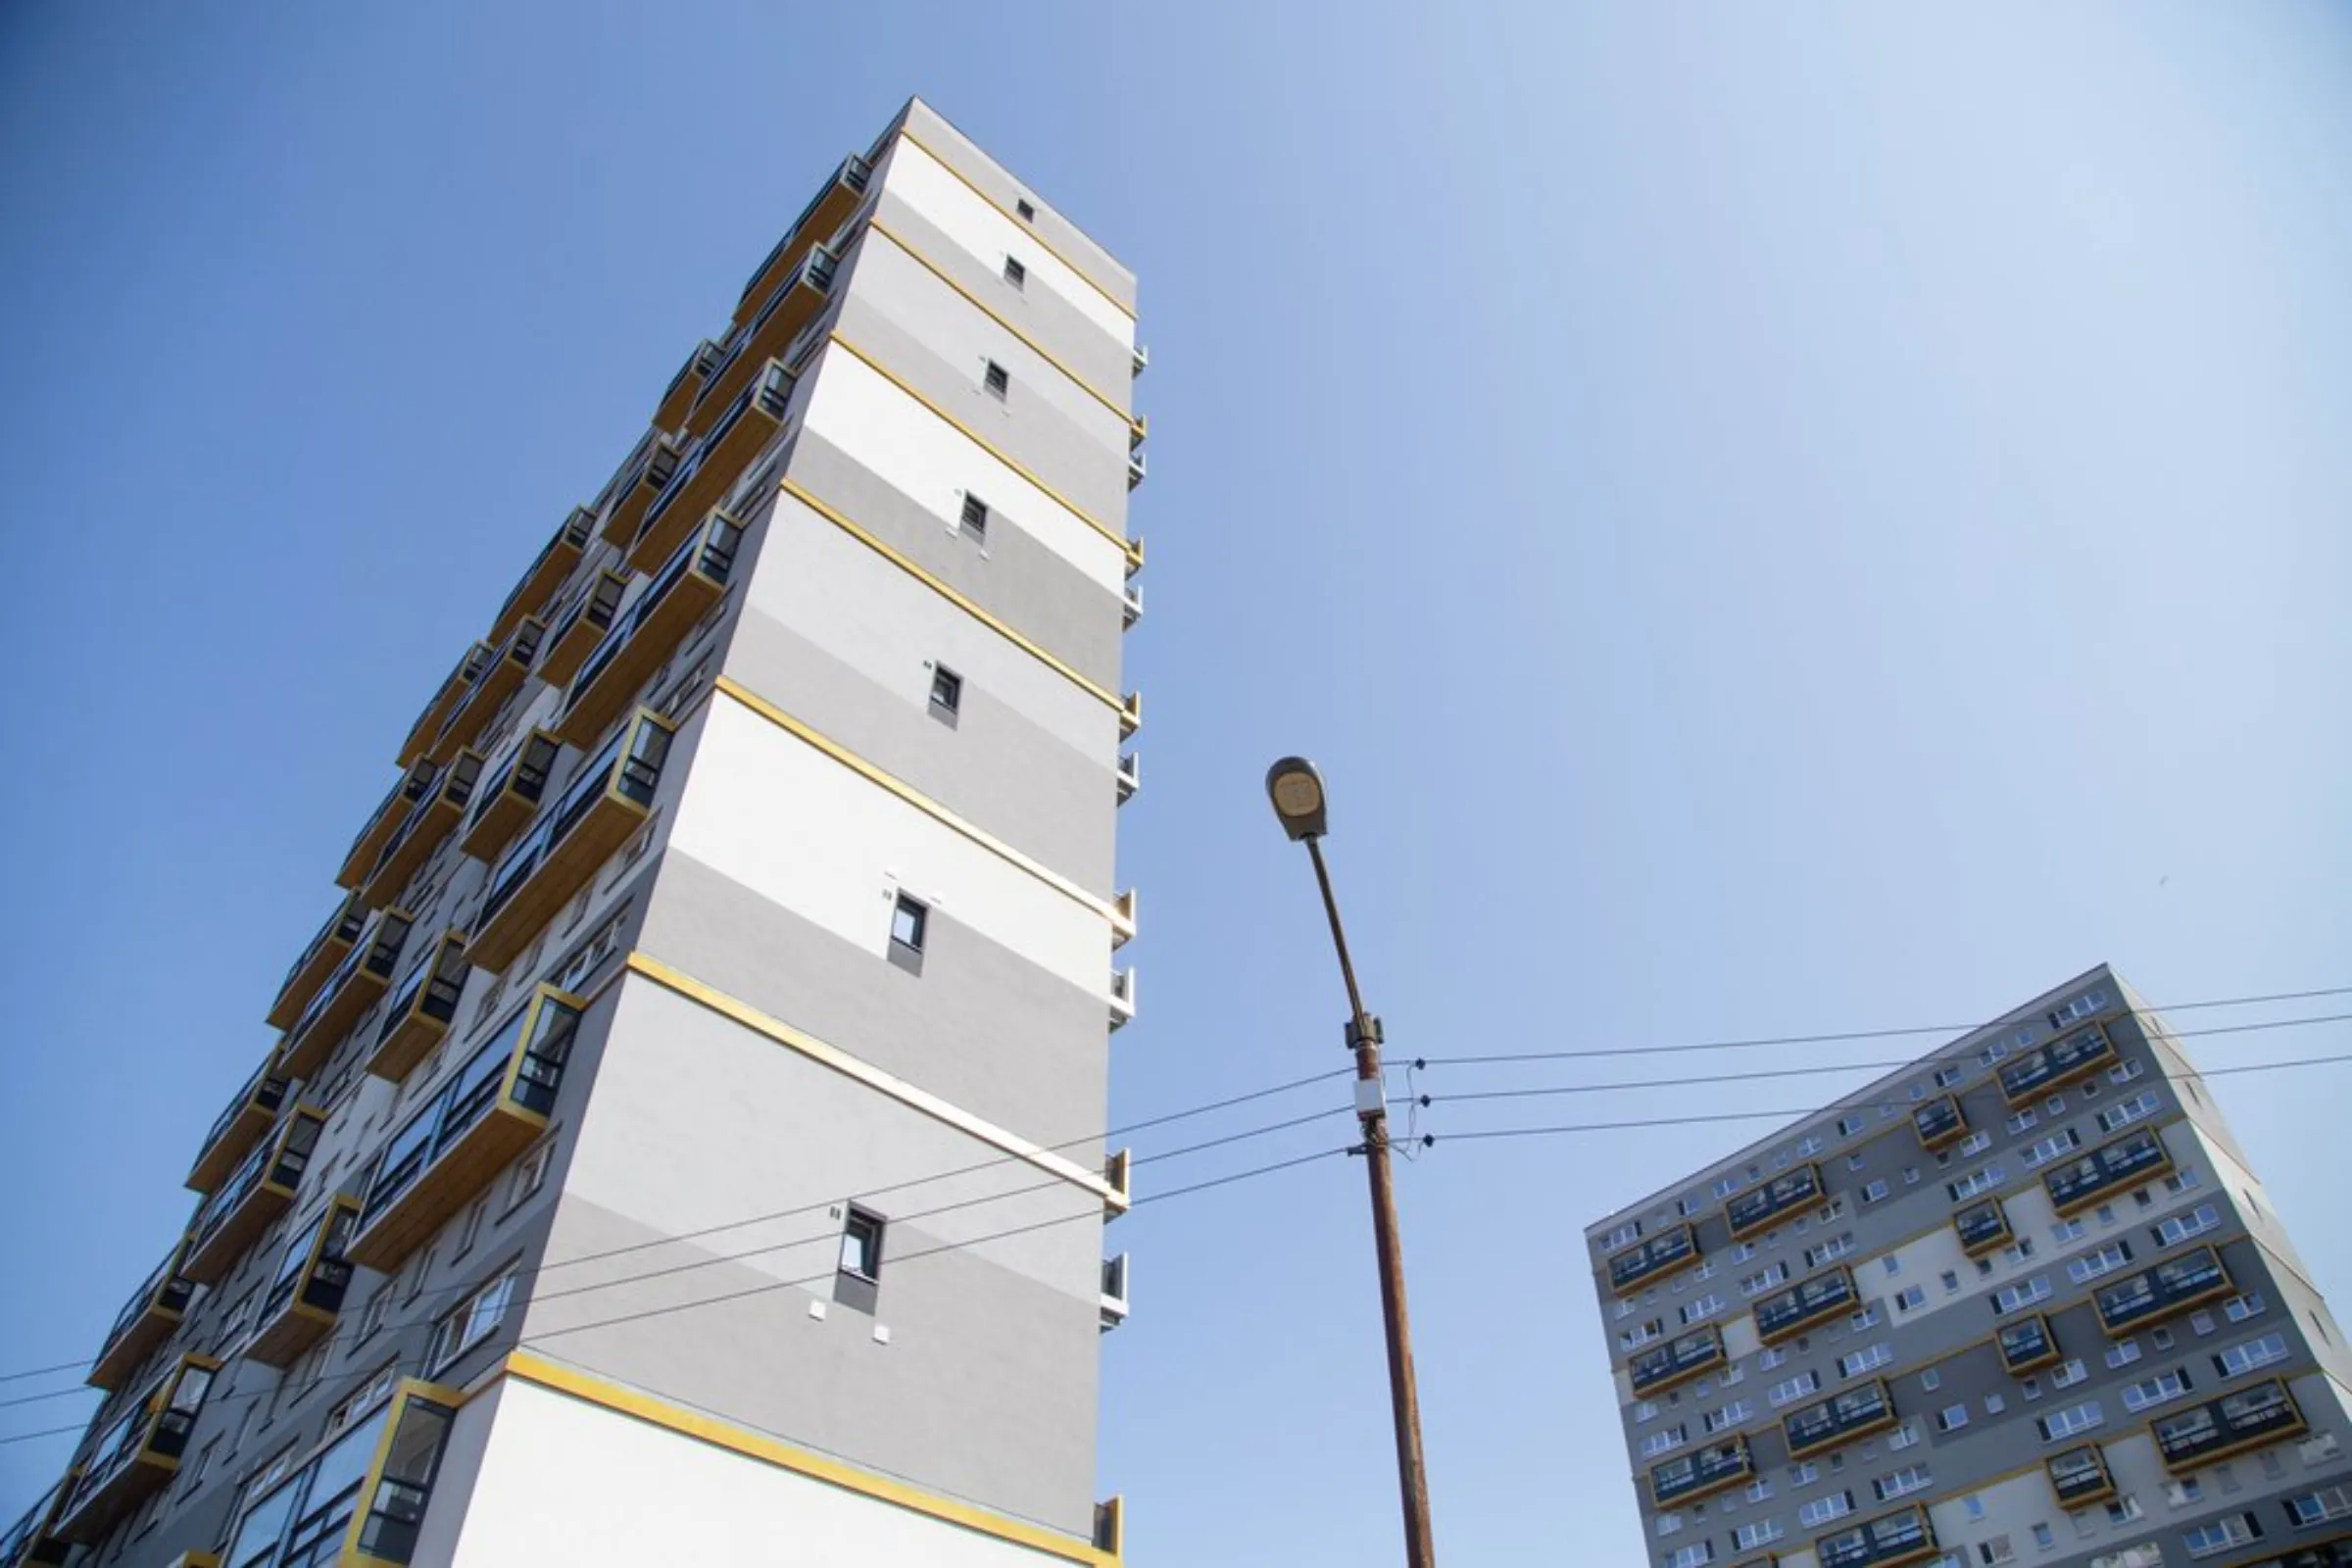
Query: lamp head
(1297, 791)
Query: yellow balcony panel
(444, 702)
(317, 961)
(546, 572)
(790, 306)
(366, 970)
(580, 626)
(306, 1295)
(642, 640)
(234, 1132)
(145, 1322)
(605, 802)
(368, 845)
(711, 469)
(232, 1218)
(646, 477)
(428, 822)
(677, 398)
(493, 1109)
(32, 1542)
(138, 1453)
(502, 681)
(505, 802)
(360, 1499)
(422, 1009)
(826, 212)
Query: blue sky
(1772, 518)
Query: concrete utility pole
(1297, 791)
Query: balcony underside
(304, 983)
(446, 1187)
(774, 336)
(303, 1054)
(505, 679)
(248, 1127)
(568, 865)
(393, 874)
(563, 654)
(497, 822)
(104, 1508)
(410, 1041)
(122, 1358)
(698, 492)
(286, 1336)
(826, 214)
(210, 1262)
(437, 713)
(650, 645)
(543, 579)
(629, 506)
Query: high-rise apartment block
(674, 1147)
(2023, 1301)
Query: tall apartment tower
(2022, 1301)
(675, 1145)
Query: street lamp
(1300, 805)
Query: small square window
(1015, 273)
(947, 692)
(997, 380)
(974, 520)
(909, 922)
(1026, 208)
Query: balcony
(361, 1499)
(504, 806)
(711, 468)
(145, 1322)
(1131, 607)
(1902, 1537)
(1982, 1227)
(502, 681)
(791, 306)
(1122, 997)
(444, 700)
(232, 1218)
(580, 626)
(422, 1009)
(2235, 1423)
(2055, 1065)
(1135, 469)
(367, 847)
(318, 960)
(1676, 1361)
(306, 1296)
(2132, 1160)
(1114, 1291)
(1799, 1308)
(546, 572)
(138, 1455)
(1131, 775)
(427, 823)
(605, 802)
(2079, 1476)
(2168, 1290)
(1702, 1474)
(33, 1541)
(357, 982)
(492, 1110)
(1938, 1122)
(1110, 1526)
(646, 477)
(1131, 716)
(1666, 1253)
(2026, 1344)
(826, 212)
(1857, 1413)
(1118, 1173)
(1754, 1211)
(678, 398)
(642, 640)
(234, 1132)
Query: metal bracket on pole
(1370, 1034)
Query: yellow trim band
(801, 493)
(873, 1077)
(1117, 303)
(1126, 546)
(1131, 421)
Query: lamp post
(1299, 803)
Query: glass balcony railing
(1842, 1418)
(546, 572)
(502, 681)
(580, 626)
(790, 306)
(711, 469)
(490, 1111)
(1665, 1253)
(2166, 1291)
(318, 960)
(825, 212)
(32, 1542)
(2336, 1554)
(422, 831)
(357, 982)
(1938, 1122)
(239, 1126)
(423, 1005)
(505, 803)
(1753, 1211)
(640, 484)
(444, 699)
(362, 1499)
(2079, 1476)
(229, 1221)
(2055, 1065)
(1902, 1537)
(2026, 1344)
(1676, 1361)
(2132, 1160)
(1114, 1291)
(605, 801)
(138, 1453)
(1702, 1474)
(153, 1311)
(2233, 1424)
(1803, 1304)
(643, 638)
(368, 845)
(306, 1296)
(1982, 1226)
